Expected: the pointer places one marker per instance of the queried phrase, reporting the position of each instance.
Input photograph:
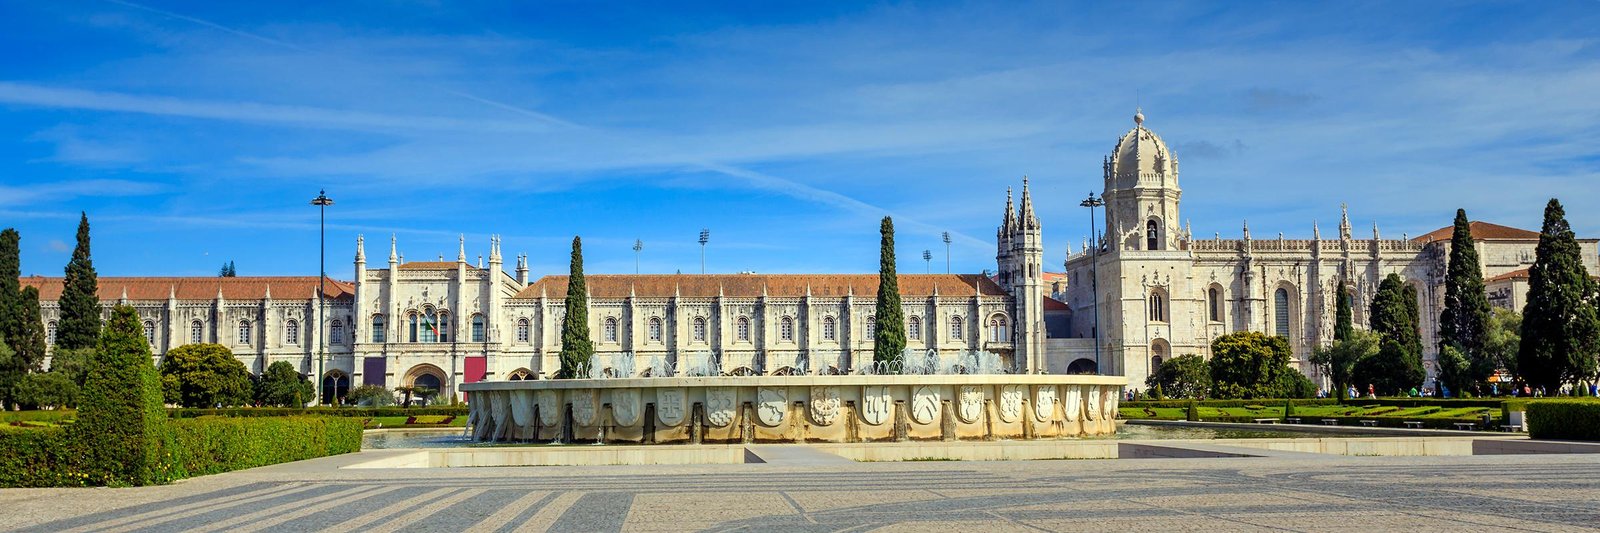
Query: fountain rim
(797, 381)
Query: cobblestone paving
(1532, 493)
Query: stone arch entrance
(1083, 366)
(335, 386)
(426, 375)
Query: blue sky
(195, 133)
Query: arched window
(520, 374)
(699, 329)
(1214, 302)
(244, 332)
(379, 334)
(997, 329)
(655, 329)
(955, 328)
(1280, 311)
(336, 333)
(444, 326)
(412, 319)
(611, 329)
(479, 333)
(914, 328)
(1152, 235)
(830, 329)
(1155, 363)
(742, 329)
(150, 332)
(1158, 310)
(291, 333)
(871, 328)
(1158, 352)
(50, 333)
(786, 329)
(197, 332)
(431, 326)
(524, 330)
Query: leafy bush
(213, 445)
(204, 375)
(371, 396)
(36, 458)
(1292, 384)
(121, 426)
(283, 386)
(46, 389)
(1564, 419)
(1248, 364)
(358, 412)
(1184, 376)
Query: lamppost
(322, 201)
(637, 246)
(927, 262)
(1094, 270)
(947, 252)
(705, 235)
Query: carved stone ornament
(583, 408)
(824, 405)
(1044, 402)
(548, 412)
(1073, 407)
(522, 408)
(925, 405)
(669, 406)
(719, 406)
(625, 406)
(970, 406)
(771, 404)
(1010, 403)
(1094, 403)
(1108, 402)
(875, 404)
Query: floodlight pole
(705, 235)
(1094, 271)
(947, 252)
(322, 202)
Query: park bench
(1508, 428)
(1330, 421)
(1413, 424)
(1266, 420)
(1466, 426)
(1292, 420)
(1369, 423)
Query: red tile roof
(1052, 304)
(750, 285)
(1515, 274)
(1480, 230)
(199, 288)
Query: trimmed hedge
(362, 412)
(1180, 404)
(1429, 402)
(1564, 419)
(39, 457)
(213, 445)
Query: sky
(196, 133)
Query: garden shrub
(1564, 419)
(214, 444)
(121, 427)
(360, 412)
(38, 457)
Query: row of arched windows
(1214, 308)
(699, 329)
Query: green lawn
(417, 422)
(1387, 415)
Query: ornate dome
(1140, 153)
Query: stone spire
(1010, 222)
(394, 250)
(361, 248)
(1375, 236)
(494, 248)
(1344, 222)
(1138, 117)
(1247, 229)
(461, 255)
(1316, 231)
(1028, 219)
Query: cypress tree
(889, 331)
(10, 296)
(1464, 323)
(1343, 322)
(29, 343)
(1398, 363)
(121, 427)
(80, 302)
(1559, 324)
(576, 347)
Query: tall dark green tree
(1464, 323)
(80, 302)
(1398, 364)
(889, 334)
(10, 295)
(121, 427)
(1344, 326)
(1559, 324)
(577, 349)
(29, 342)
(1338, 360)
(227, 270)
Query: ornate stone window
(610, 329)
(150, 332)
(655, 329)
(1152, 235)
(786, 329)
(1214, 303)
(524, 330)
(412, 327)
(830, 329)
(479, 333)
(444, 326)
(998, 332)
(291, 333)
(741, 328)
(699, 329)
(914, 328)
(197, 332)
(871, 328)
(955, 328)
(336, 333)
(1280, 301)
(50, 333)
(1158, 308)
(379, 334)
(520, 374)
(244, 332)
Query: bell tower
(1141, 192)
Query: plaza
(1279, 492)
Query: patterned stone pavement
(1528, 492)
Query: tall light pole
(927, 262)
(322, 201)
(705, 235)
(947, 252)
(1094, 271)
(637, 245)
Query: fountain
(930, 396)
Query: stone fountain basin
(820, 408)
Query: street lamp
(1094, 270)
(322, 201)
(947, 252)
(705, 235)
(927, 261)
(637, 245)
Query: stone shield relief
(1094, 403)
(669, 406)
(970, 404)
(1044, 402)
(1108, 403)
(875, 404)
(625, 406)
(824, 405)
(925, 405)
(583, 408)
(771, 404)
(522, 408)
(1010, 403)
(1073, 408)
(549, 414)
(719, 406)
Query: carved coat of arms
(1010, 403)
(1044, 402)
(1074, 405)
(625, 406)
(548, 412)
(583, 408)
(875, 404)
(771, 404)
(1094, 403)
(925, 405)
(669, 406)
(719, 406)
(824, 405)
(970, 403)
